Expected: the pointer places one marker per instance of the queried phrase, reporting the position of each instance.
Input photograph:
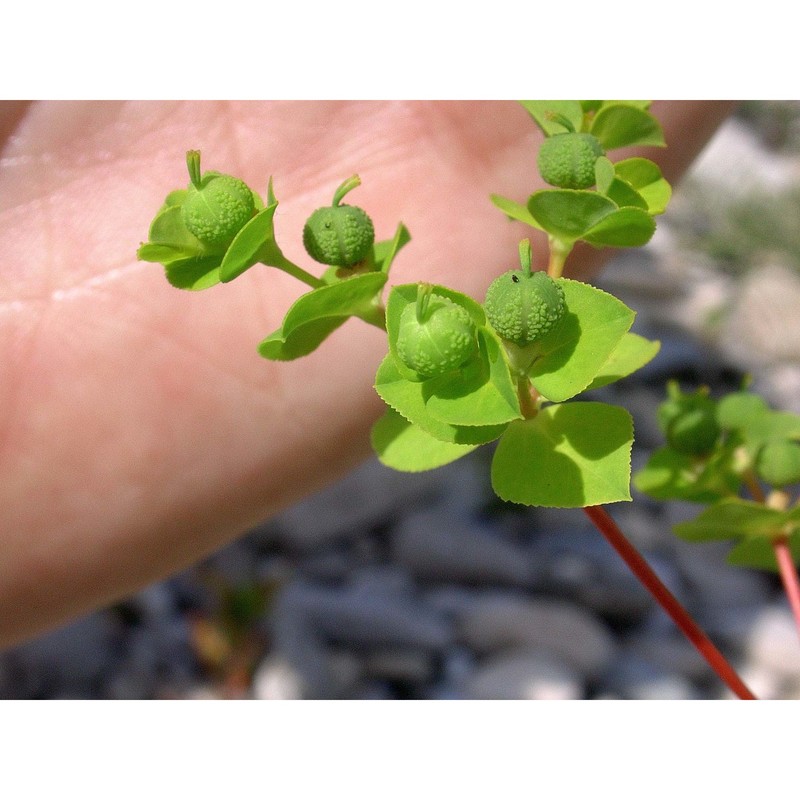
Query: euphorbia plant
(741, 460)
(459, 373)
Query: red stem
(680, 616)
(789, 576)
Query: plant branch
(527, 398)
(753, 486)
(559, 250)
(283, 263)
(788, 571)
(680, 616)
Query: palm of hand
(140, 427)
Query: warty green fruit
(567, 160)
(778, 463)
(524, 306)
(218, 208)
(340, 235)
(689, 423)
(442, 341)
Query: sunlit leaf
(577, 349)
(568, 213)
(568, 456)
(626, 227)
(408, 399)
(632, 353)
(318, 313)
(646, 178)
(622, 125)
(403, 446)
(541, 111)
(254, 243)
(481, 393)
(515, 210)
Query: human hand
(141, 429)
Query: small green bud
(217, 206)
(523, 306)
(689, 421)
(435, 335)
(778, 463)
(567, 160)
(339, 235)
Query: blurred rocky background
(391, 586)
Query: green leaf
(481, 393)
(568, 213)
(568, 456)
(624, 195)
(194, 274)
(643, 104)
(408, 399)
(632, 353)
(168, 231)
(162, 253)
(758, 553)
(733, 518)
(626, 227)
(772, 425)
(670, 475)
(403, 446)
(318, 313)
(541, 109)
(646, 178)
(577, 349)
(254, 243)
(740, 410)
(604, 174)
(515, 210)
(622, 125)
(384, 253)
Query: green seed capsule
(523, 306)
(339, 235)
(778, 463)
(435, 336)
(567, 160)
(689, 422)
(217, 206)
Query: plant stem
(791, 583)
(680, 616)
(527, 397)
(297, 272)
(753, 486)
(559, 251)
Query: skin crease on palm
(141, 429)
